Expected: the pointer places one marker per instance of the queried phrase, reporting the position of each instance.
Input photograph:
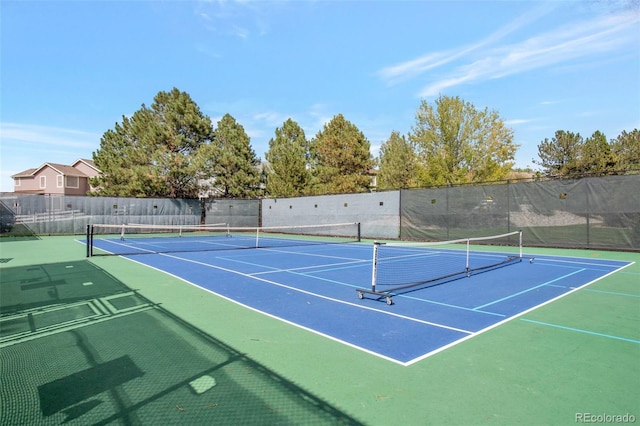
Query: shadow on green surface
(78, 346)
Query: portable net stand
(400, 266)
(130, 239)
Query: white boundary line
(301, 291)
(515, 316)
(266, 313)
(470, 335)
(320, 296)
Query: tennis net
(400, 266)
(130, 239)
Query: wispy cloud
(33, 145)
(517, 121)
(12, 133)
(407, 70)
(396, 73)
(237, 18)
(485, 60)
(240, 32)
(271, 118)
(207, 51)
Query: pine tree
(232, 165)
(288, 159)
(626, 150)
(341, 159)
(596, 157)
(125, 163)
(156, 152)
(560, 156)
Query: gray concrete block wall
(378, 212)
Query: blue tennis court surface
(314, 287)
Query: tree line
(569, 154)
(171, 149)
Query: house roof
(60, 168)
(26, 173)
(89, 163)
(66, 170)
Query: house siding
(59, 179)
(88, 170)
(85, 168)
(28, 184)
(52, 181)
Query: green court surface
(133, 345)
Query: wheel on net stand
(389, 301)
(360, 295)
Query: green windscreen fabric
(602, 212)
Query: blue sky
(70, 70)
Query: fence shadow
(77, 345)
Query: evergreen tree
(560, 156)
(596, 157)
(626, 151)
(398, 167)
(155, 153)
(232, 165)
(456, 143)
(125, 163)
(288, 160)
(341, 161)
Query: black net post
(89, 239)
